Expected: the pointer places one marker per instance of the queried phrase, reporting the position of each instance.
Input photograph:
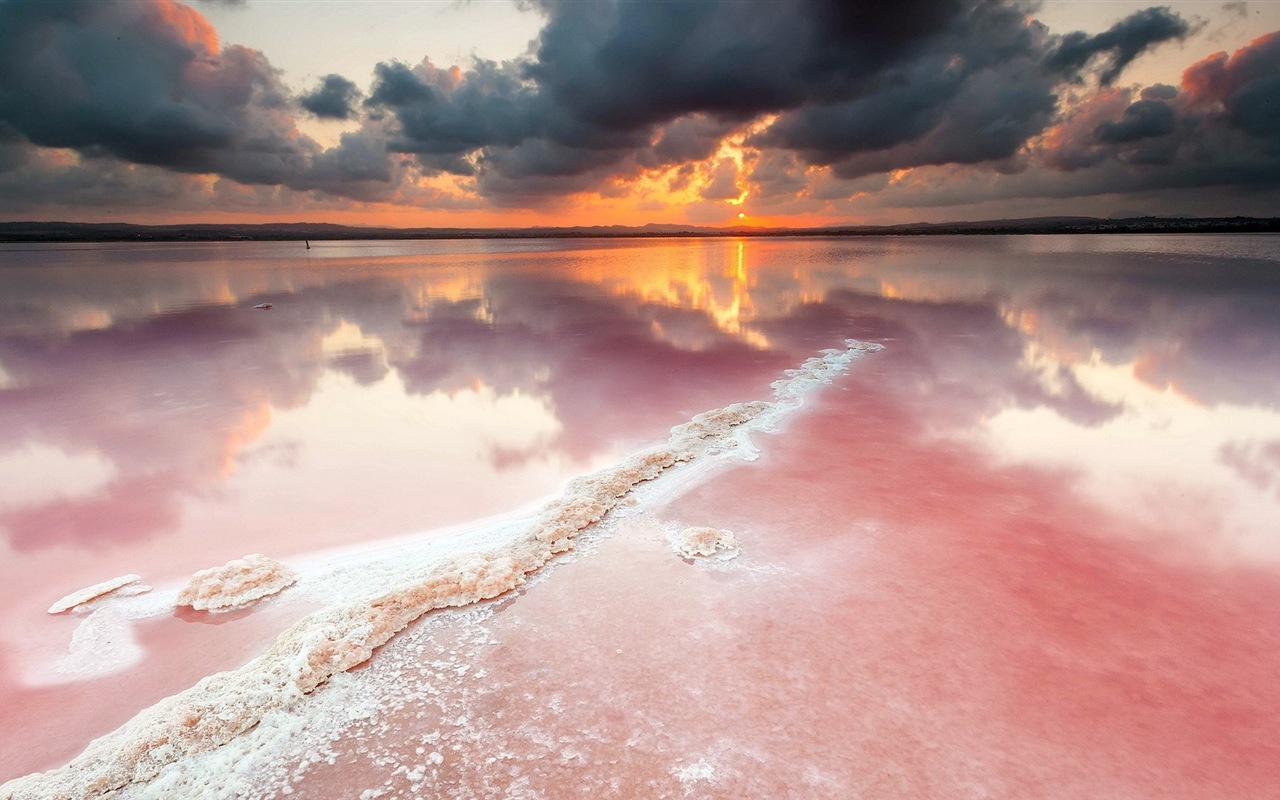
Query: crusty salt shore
(395, 593)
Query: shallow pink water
(906, 620)
(1042, 652)
(1027, 550)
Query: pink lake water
(1031, 548)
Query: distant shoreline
(72, 232)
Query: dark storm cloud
(448, 113)
(1142, 120)
(141, 81)
(491, 122)
(617, 86)
(614, 87)
(358, 167)
(611, 89)
(1120, 44)
(147, 83)
(985, 87)
(624, 65)
(1220, 129)
(334, 98)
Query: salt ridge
(380, 598)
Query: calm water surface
(1125, 387)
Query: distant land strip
(64, 232)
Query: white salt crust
(702, 541)
(102, 643)
(236, 584)
(393, 593)
(116, 587)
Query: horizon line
(56, 231)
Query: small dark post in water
(308, 243)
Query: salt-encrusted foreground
(337, 638)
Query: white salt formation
(103, 643)
(236, 584)
(692, 542)
(222, 706)
(123, 586)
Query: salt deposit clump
(692, 542)
(236, 584)
(123, 586)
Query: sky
(495, 113)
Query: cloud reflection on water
(175, 382)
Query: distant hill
(320, 231)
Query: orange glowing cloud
(190, 25)
(1215, 77)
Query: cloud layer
(807, 107)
